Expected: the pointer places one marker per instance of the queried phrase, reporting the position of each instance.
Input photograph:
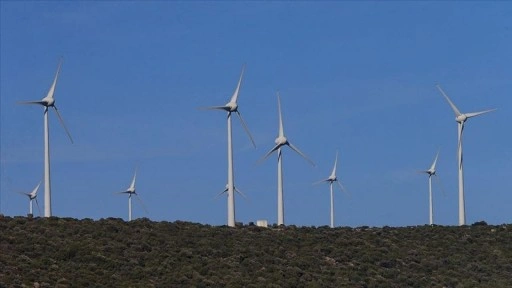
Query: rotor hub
(232, 107)
(281, 140)
(48, 101)
(461, 118)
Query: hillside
(64, 252)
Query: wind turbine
(32, 196)
(461, 118)
(281, 141)
(49, 102)
(131, 191)
(331, 179)
(431, 172)
(232, 107)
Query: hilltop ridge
(65, 252)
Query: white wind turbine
(232, 107)
(331, 179)
(131, 191)
(49, 102)
(281, 141)
(461, 118)
(32, 196)
(431, 172)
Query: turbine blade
(300, 153)
(23, 193)
(62, 122)
(222, 192)
(237, 90)
(225, 108)
(132, 185)
(141, 203)
(343, 189)
(122, 192)
(433, 166)
(245, 127)
(270, 152)
(321, 181)
(51, 92)
(454, 108)
(31, 102)
(459, 147)
(241, 193)
(281, 129)
(438, 179)
(38, 208)
(335, 164)
(469, 115)
(37, 188)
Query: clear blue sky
(355, 76)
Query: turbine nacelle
(31, 196)
(231, 107)
(281, 140)
(431, 172)
(129, 192)
(48, 101)
(461, 118)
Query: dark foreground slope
(61, 252)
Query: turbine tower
(431, 172)
(331, 179)
(49, 102)
(281, 141)
(461, 118)
(33, 196)
(232, 107)
(131, 191)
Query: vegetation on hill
(64, 252)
